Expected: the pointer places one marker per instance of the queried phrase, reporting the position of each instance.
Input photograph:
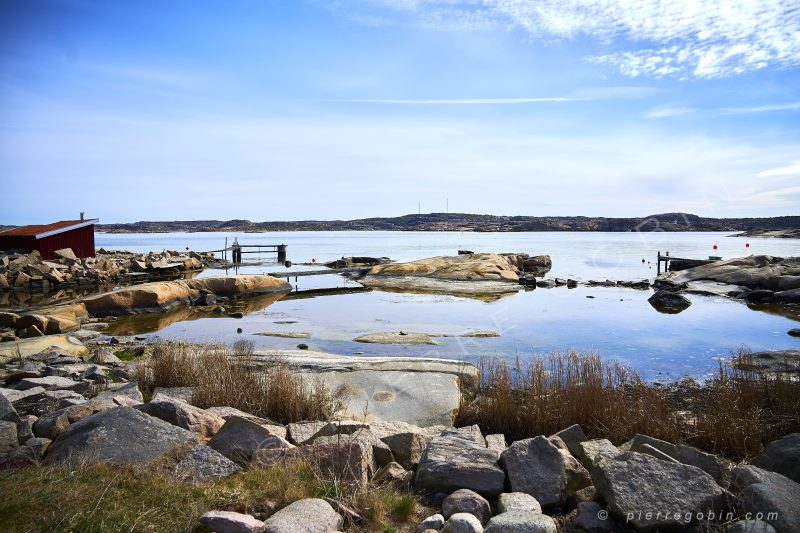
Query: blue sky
(299, 109)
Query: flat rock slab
(769, 362)
(481, 290)
(121, 435)
(396, 337)
(285, 334)
(424, 392)
(64, 344)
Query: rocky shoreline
(59, 409)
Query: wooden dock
(320, 272)
(236, 250)
(684, 261)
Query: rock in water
(669, 302)
(782, 456)
(121, 435)
(311, 515)
(452, 462)
(537, 467)
(641, 489)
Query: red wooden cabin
(47, 238)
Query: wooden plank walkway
(321, 272)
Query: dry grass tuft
(229, 377)
(734, 414)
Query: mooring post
(658, 261)
(281, 253)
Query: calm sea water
(617, 323)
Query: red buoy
(747, 245)
(715, 247)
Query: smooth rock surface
(64, 344)
(462, 523)
(312, 515)
(517, 501)
(230, 522)
(521, 522)
(467, 501)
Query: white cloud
(681, 38)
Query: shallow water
(617, 323)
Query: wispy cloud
(677, 111)
(455, 101)
(679, 38)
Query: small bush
(734, 414)
(230, 377)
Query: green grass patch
(126, 356)
(102, 498)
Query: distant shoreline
(461, 222)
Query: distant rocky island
(478, 223)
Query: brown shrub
(230, 377)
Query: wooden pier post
(281, 253)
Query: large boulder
(654, 494)
(474, 267)
(455, 461)
(538, 265)
(312, 515)
(239, 439)
(539, 468)
(769, 495)
(121, 435)
(592, 451)
(782, 456)
(162, 296)
(754, 272)
(181, 414)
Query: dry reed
(734, 414)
